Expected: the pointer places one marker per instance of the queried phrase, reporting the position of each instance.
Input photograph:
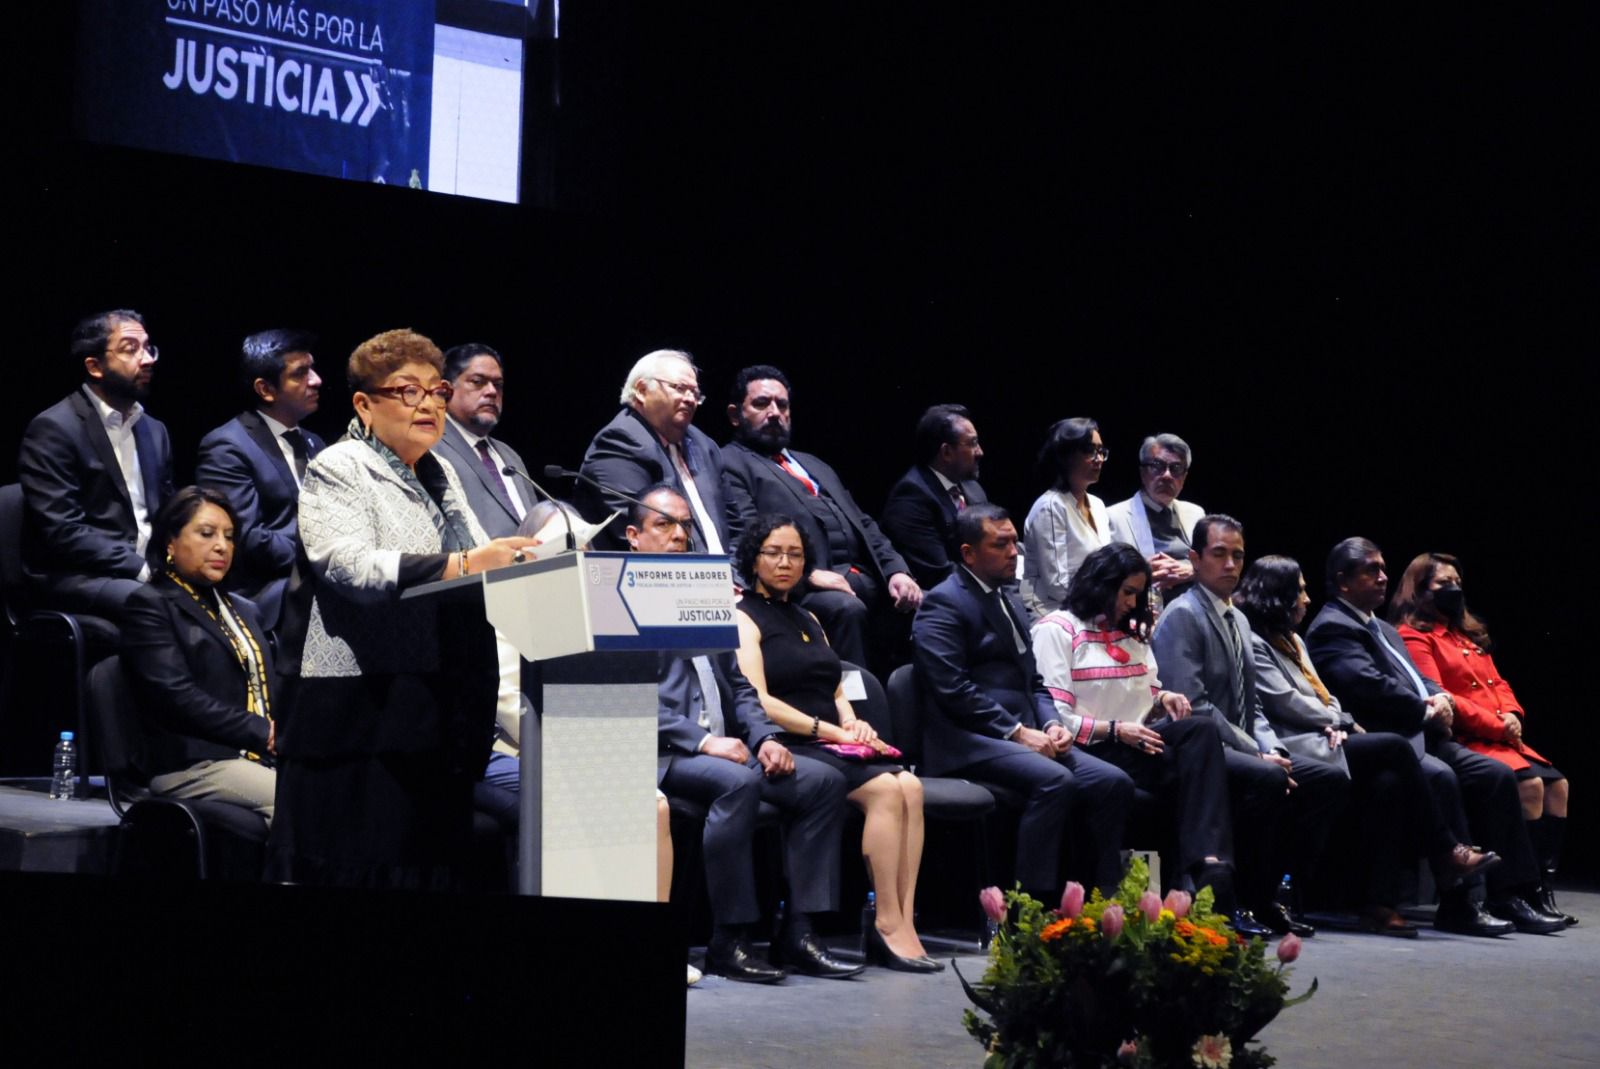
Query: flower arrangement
(1133, 980)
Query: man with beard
(920, 515)
(857, 570)
(1156, 521)
(94, 469)
(499, 500)
(257, 460)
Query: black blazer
(187, 684)
(754, 484)
(241, 459)
(920, 519)
(978, 686)
(1370, 686)
(628, 455)
(78, 517)
(680, 702)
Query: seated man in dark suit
(719, 749)
(1363, 660)
(257, 459)
(992, 720)
(858, 572)
(94, 469)
(500, 501)
(920, 515)
(1202, 644)
(653, 440)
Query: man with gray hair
(653, 440)
(1155, 520)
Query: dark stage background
(1351, 260)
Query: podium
(595, 624)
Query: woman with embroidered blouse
(393, 708)
(1096, 662)
(798, 677)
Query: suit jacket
(680, 703)
(920, 519)
(630, 456)
(1196, 656)
(491, 506)
(1291, 704)
(242, 459)
(188, 685)
(980, 687)
(1368, 682)
(77, 516)
(1130, 524)
(754, 484)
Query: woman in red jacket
(1451, 646)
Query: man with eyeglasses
(258, 460)
(858, 572)
(1155, 520)
(499, 500)
(653, 440)
(94, 469)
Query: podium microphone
(556, 471)
(512, 470)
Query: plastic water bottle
(64, 780)
(869, 913)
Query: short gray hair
(1170, 442)
(648, 364)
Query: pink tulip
(1072, 899)
(1150, 906)
(1111, 921)
(1288, 948)
(1128, 1053)
(994, 903)
(1179, 902)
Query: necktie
(711, 698)
(1016, 632)
(783, 462)
(1238, 659)
(494, 471)
(297, 445)
(1403, 663)
(958, 497)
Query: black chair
(895, 721)
(163, 837)
(84, 638)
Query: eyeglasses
(133, 347)
(1100, 453)
(480, 382)
(774, 555)
(411, 395)
(1177, 468)
(683, 389)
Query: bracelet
(465, 570)
(816, 725)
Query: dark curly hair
(749, 547)
(1267, 595)
(1095, 584)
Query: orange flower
(1184, 928)
(1055, 929)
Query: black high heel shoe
(878, 953)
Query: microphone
(556, 471)
(512, 470)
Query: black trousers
(1190, 781)
(1277, 830)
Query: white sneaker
(694, 976)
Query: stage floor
(1440, 1001)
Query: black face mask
(1447, 599)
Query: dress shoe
(1381, 920)
(1279, 921)
(1545, 902)
(1464, 917)
(1524, 917)
(736, 962)
(806, 954)
(1462, 862)
(877, 952)
(1244, 922)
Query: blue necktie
(1404, 663)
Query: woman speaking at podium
(393, 709)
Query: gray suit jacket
(1192, 646)
(1292, 707)
(491, 507)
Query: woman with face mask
(1451, 646)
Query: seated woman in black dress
(198, 662)
(786, 657)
